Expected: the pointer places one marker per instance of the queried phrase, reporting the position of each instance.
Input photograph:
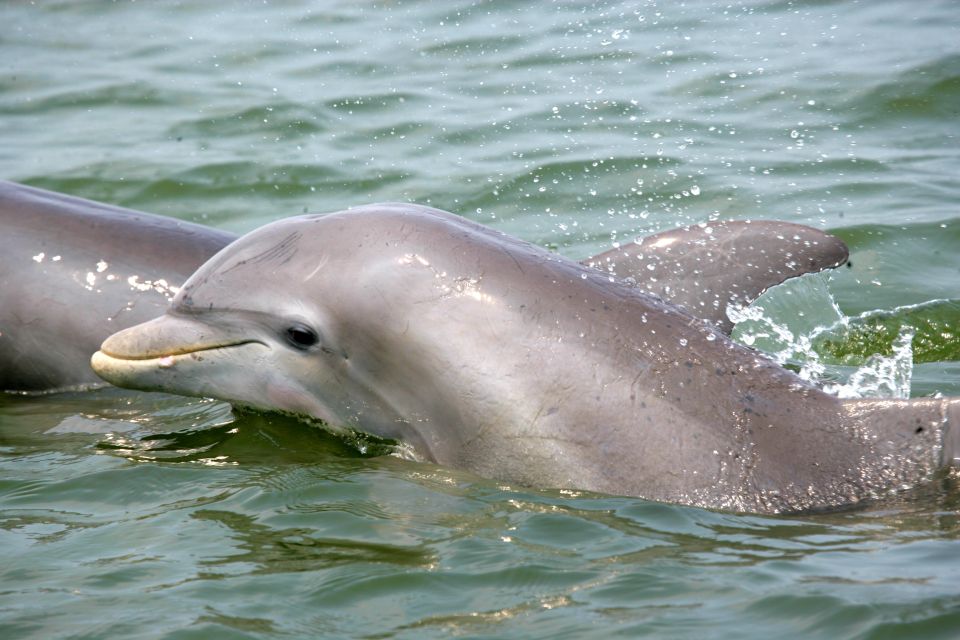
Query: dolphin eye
(301, 336)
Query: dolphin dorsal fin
(705, 267)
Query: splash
(882, 376)
(789, 322)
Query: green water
(570, 124)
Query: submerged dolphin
(486, 353)
(75, 271)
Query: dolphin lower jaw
(213, 372)
(186, 370)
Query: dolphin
(75, 271)
(482, 352)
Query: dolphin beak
(132, 357)
(164, 336)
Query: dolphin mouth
(170, 336)
(161, 355)
(183, 350)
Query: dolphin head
(270, 323)
(236, 355)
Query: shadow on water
(159, 427)
(280, 550)
(247, 438)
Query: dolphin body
(485, 353)
(75, 271)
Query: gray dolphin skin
(485, 353)
(75, 271)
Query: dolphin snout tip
(152, 339)
(121, 354)
(97, 360)
(133, 343)
(101, 365)
(112, 345)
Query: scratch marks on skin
(512, 257)
(323, 261)
(281, 253)
(542, 410)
